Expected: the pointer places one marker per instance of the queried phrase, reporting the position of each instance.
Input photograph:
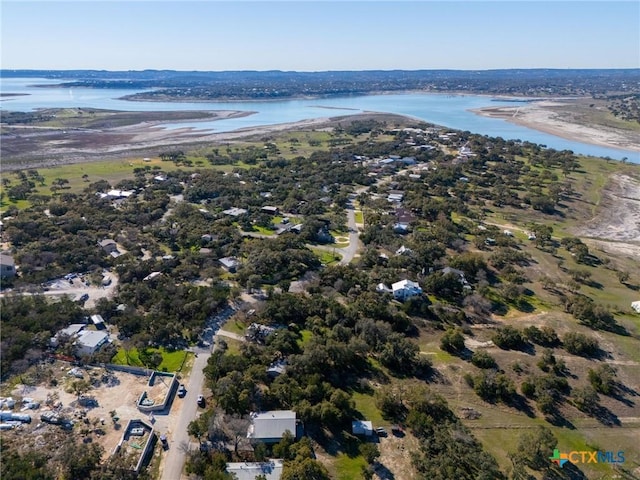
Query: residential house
(87, 342)
(270, 210)
(405, 289)
(395, 196)
(404, 216)
(109, 246)
(401, 227)
(7, 266)
(269, 427)
(459, 274)
(404, 251)
(269, 470)
(277, 368)
(230, 264)
(636, 306)
(235, 212)
(116, 194)
(257, 332)
(90, 341)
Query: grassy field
(348, 468)
(366, 405)
(113, 171)
(306, 336)
(326, 257)
(233, 346)
(234, 326)
(171, 361)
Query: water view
(451, 111)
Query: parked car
(182, 391)
(381, 431)
(201, 402)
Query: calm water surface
(448, 110)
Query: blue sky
(320, 35)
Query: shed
(362, 427)
(98, 321)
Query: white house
(270, 470)
(404, 251)
(405, 289)
(636, 306)
(230, 264)
(90, 341)
(269, 427)
(235, 211)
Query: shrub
(508, 338)
(602, 379)
(579, 344)
(483, 360)
(545, 336)
(452, 341)
(492, 387)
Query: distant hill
(187, 85)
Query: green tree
(452, 341)
(535, 448)
(603, 379)
(306, 469)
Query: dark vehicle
(201, 402)
(165, 443)
(381, 432)
(182, 391)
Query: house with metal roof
(7, 266)
(270, 470)
(269, 427)
(405, 289)
(90, 341)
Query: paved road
(178, 438)
(354, 237)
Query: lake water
(447, 110)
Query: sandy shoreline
(540, 116)
(38, 149)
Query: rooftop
(272, 470)
(273, 424)
(92, 339)
(6, 260)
